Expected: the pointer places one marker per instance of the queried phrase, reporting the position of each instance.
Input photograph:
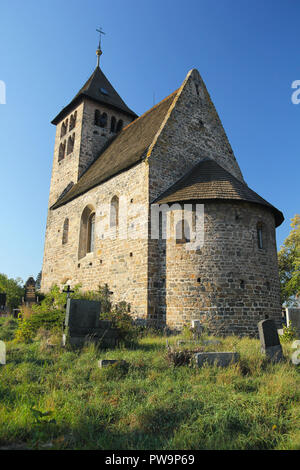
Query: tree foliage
(289, 264)
(13, 288)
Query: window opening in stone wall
(73, 121)
(113, 124)
(71, 141)
(87, 231)
(61, 152)
(64, 127)
(91, 233)
(119, 125)
(103, 120)
(260, 236)
(65, 232)
(97, 117)
(114, 212)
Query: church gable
(191, 131)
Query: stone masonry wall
(229, 283)
(66, 170)
(121, 263)
(93, 138)
(192, 131)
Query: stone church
(110, 167)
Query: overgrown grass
(58, 398)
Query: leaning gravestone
(2, 353)
(293, 319)
(84, 324)
(269, 340)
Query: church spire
(99, 50)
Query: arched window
(61, 151)
(103, 120)
(71, 141)
(97, 117)
(119, 125)
(64, 127)
(182, 233)
(65, 232)
(113, 124)
(261, 236)
(87, 231)
(91, 233)
(73, 121)
(114, 212)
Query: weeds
(53, 397)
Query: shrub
(289, 333)
(122, 320)
(51, 320)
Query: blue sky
(246, 51)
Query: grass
(60, 399)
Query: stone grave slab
(293, 318)
(84, 324)
(2, 353)
(269, 340)
(221, 359)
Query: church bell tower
(84, 127)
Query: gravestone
(2, 353)
(197, 329)
(269, 340)
(221, 359)
(293, 318)
(29, 291)
(84, 324)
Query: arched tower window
(73, 121)
(182, 232)
(87, 231)
(113, 124)
(61, 151)
(97, 117)
(71, 141)
(114, 212)
(64, 128)
(65, 232)
(119, 125)
(103, 120)
(91, 233)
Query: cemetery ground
(53, 398)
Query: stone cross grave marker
(2, 353)
(293, 318)
(269, 340)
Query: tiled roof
(126, 149)
(209, 181)
(97, 88)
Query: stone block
(269, 340)
(109, 362)
(221, 359)
(293, 318)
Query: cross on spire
(99, 51)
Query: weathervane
(99, 51)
